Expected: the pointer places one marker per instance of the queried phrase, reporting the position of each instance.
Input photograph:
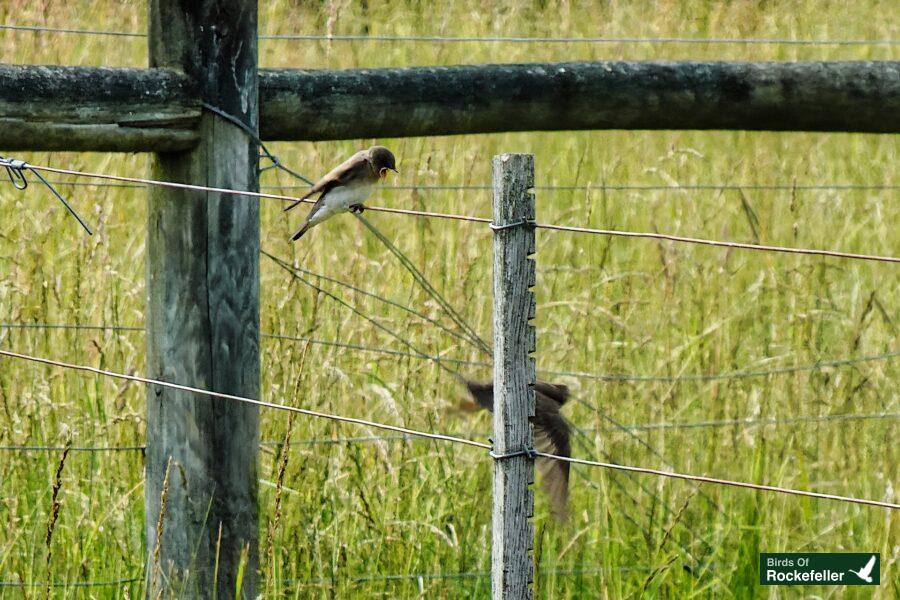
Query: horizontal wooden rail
(94, 108)
(89, 108)
(365, 103)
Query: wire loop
(526, 451)
(15, 170)
(520, 223)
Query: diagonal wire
(287, 267)
(718, 481)
(387, 301)
(607, 377)
(719, 243)
(455, 217)
(438, 436)
(426, 285)
(236, 398)
(15, 170)
(276, 163)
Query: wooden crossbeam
(420, 101)
(94, 108)
(88, 108)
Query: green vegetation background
(363, 519)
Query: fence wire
(413, 434)
(437, 215)
(72, 584)
(613, 187)
(446, 39)
(606, 377)
(443, 437)
(359, 579)
(334, 441)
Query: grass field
(409, 519)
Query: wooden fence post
(203, 313)
(512, 569)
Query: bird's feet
(357, 208)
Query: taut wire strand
(436, 215)
(15, 170)
(606, 377)
(446, 39)
(244, 399)
(717, 481)
(438, 436)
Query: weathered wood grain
(86, 108)
(203, 310)
(862, 96)
(514, 376)
(96, 108)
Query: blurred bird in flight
(551, 435)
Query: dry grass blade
(156, 576)
(54, 510)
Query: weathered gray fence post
(203, 311)
(514, 374)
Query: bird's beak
(395, 171)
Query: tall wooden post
(512, 569)
(203, 313)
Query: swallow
(347, 186)
(551, 435)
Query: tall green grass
(408, 518)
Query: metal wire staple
(526, 451)
(520, 223)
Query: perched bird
(347, 186)
(551, 435)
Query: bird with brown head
(347, 186)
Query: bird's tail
(298, 201)
(300, 232)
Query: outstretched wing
(555, 391)
(482, 393)
(340, 175)
(867, 570)
(551, 436)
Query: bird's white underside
(340, 200)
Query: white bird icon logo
(865, 572)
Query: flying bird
(347, 186)
(551, 435)
(866, 572)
